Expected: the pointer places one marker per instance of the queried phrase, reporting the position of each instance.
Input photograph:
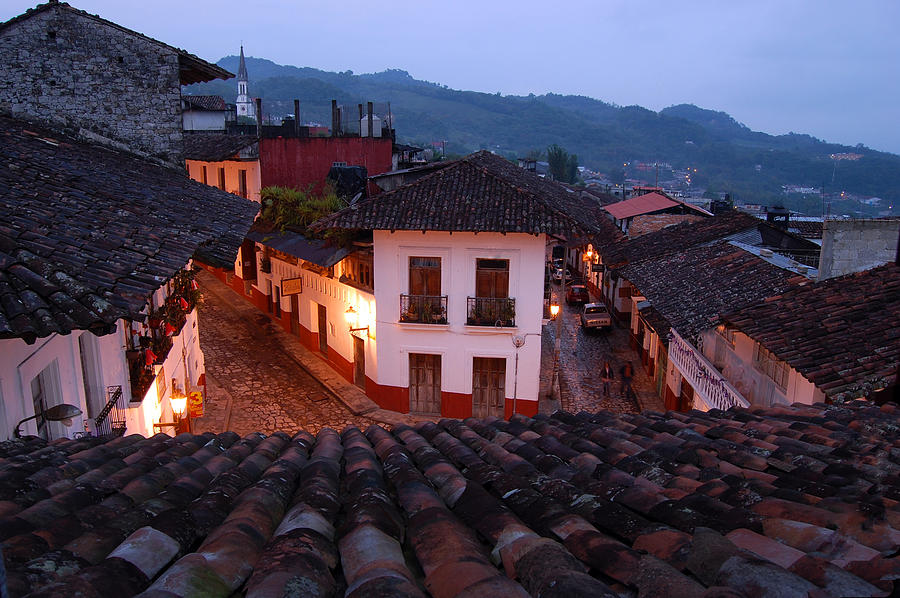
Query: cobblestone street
(253, 383)
(582, 354)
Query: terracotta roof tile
(842, 334)
(88, 234)
(690, 289)
(523, 507)
(479, 193)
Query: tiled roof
(679, 237)
(479, 193)
(193, 69)
(650, 223)
(692, 288)
(87, 234)
(212, 103)
(642, 204)
(790, 501)
(842, 334)
(317, 251)
(809, 229)
(215, 147)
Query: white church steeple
(243, 103)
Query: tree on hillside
(563, 165)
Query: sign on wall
(291, 286)
(160, 385)
(195, 403)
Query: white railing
(703, 376)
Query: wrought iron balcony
(423, 309)
(708, 383)
(491, 311)
(111, 419)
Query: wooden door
(488, 386)
(323, 330)
(295, 314)
(359, 362)
(686, 400)
(424, 384)
(248, 260)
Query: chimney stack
(334, 118)
(259, 117)
(371, 132)
(297, 118)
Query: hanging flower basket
(184, 304)
(132, 355)
(150, 357)
(145, 341)
(154, 322)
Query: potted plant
(507, 313)
(156, 317)
(145, 341)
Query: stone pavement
(260, 378)
(582, 354)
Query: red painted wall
(305, 161)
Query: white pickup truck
(594, 315)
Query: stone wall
(857, 245)
(94, 80)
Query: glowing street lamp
(554, 310)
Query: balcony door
(492, 278)
(424, 384)
(488, 386)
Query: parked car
(577, 293)
(558, 275)
(595, 315)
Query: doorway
(359, 362)
(488, 386)
(295, 315)
(424, 384)
(323, 329)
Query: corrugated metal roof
(643, 204)
(293, 243)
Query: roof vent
(765, 252)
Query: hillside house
(625, 212)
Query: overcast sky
(828, 68)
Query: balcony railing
(423, 309)
(703, 376)
(491, 311)
(111, 419)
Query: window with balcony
(491, 305)
(771, 366)
(424, 303)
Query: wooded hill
(728, 156)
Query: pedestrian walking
(627, 373)
(606, 376)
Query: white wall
(456, 342)
(20, 363)
(336, 297)
(203, 120)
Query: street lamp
(178, 402)
(554, 310)
(352, 317)
(62, 412)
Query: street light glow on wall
(356, 320)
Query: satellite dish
(518, 340)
